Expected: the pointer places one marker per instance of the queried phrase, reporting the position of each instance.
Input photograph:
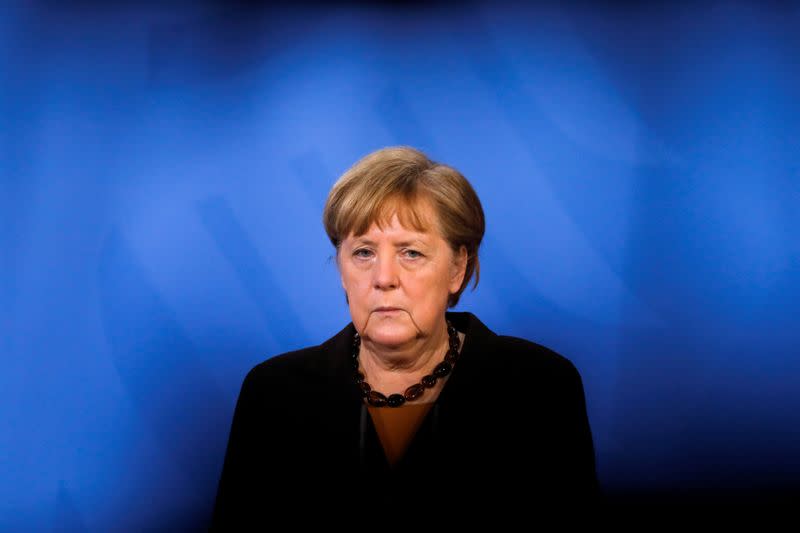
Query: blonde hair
(397, 179)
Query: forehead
(395, 233)
(402, 220)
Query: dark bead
(451, 357)
(395, 400)
(376, 399)
(429, 381)
(365, 388)
(442, 369)
(359, 377)
(414, 392)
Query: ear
(346, 298)
(338, 266)
(341, 277)
(458, 269)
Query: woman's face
(398, 267)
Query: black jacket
(508, 434)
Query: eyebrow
(401, 243)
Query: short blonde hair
(396, 179)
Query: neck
(406, 366)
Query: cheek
(356, 284)
(430, 284)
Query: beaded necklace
(413, 392)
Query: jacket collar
(338, 353)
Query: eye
(357, 252)
(414, 252)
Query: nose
(386, 273)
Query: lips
(388, 309)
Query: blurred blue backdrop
(164, 167)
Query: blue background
(164, 166)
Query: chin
(391, 334)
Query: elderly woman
(409, 402)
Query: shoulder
(541, 376)
(284, 368)
(536, 359)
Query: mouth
(387, 309)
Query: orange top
(396, 426)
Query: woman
(409, 401)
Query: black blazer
(508, 433)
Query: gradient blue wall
(164, 167)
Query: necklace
(413, 392)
